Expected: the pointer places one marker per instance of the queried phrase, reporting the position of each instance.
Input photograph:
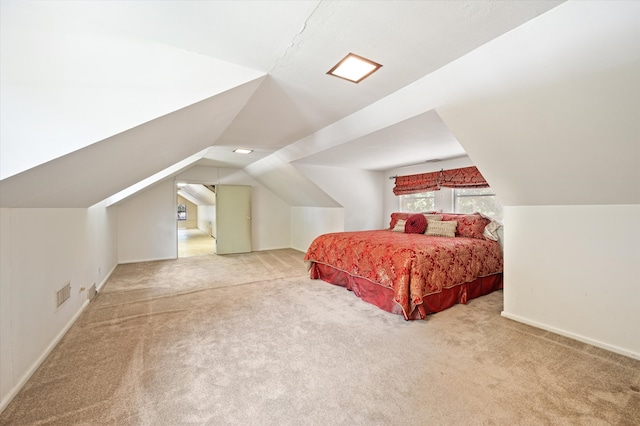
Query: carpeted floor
(249, 339)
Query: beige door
(233, 219)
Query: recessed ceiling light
(354, 68)
(243, 151)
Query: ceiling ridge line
(295, 37)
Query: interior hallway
(194, 242)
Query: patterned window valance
(466, 177)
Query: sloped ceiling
(94, 173)
(68, 82)
(558, 119)
(549, 113)
(295, 113)
(198, 194)
(410, 38)
(423, 137)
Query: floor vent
(63, 294)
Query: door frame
(175, 199)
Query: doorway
(195, 215)
(213, 219)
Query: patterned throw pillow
(396, 216)
(469, 225)
(399, 226)
(439, 228)
(416, 224)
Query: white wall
(147, 227)
(7, 381)
(102, 238)
(270, 224)
(309, 222)
(552, 123)
(41, 250)
(574, 270)
(357, 191)
(206, 219)
(556, 106)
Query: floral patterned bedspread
(413, 265)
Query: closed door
(233, 219)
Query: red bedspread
(412, 265)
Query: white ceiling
(296, 43)
(413, 141)
(198, 194)
(409, 38)
(278, 52)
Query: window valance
(466, 177)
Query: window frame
(184, 210)
(457, 193)
(415, 196)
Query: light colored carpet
(249, 339)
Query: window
(481, 200)
(182, 212)
(420, 202)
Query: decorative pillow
(431, 216)
(399, 226)
(491, 231)
(469, 225)
(395, 217)
(402, 215)
(416, 224)
(440, 228)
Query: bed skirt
(382, 297)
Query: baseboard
(23, 380)
(106, 278)
(573, 336)
(299, 249)
(124, 262)
(271, 248)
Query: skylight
(354, 68)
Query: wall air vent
(63, 294)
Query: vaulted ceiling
(99, 96)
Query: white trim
(123, 262)
(106, 278)
(14, 391)
(574, 336)
(276, 248)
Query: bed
(412, 273)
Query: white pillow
(491, 231)
(439, 228)
(399, 225)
